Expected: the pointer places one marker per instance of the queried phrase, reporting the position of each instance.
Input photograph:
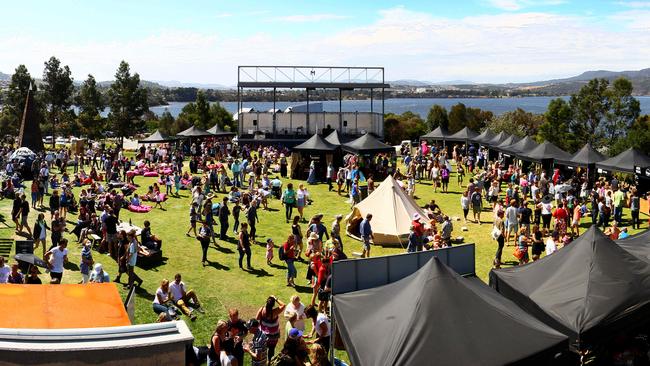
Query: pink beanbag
(87, 181)
(151, 174)
(167, 171)
(131, 173)
(140, 164)
(186, 182)
(139, 209)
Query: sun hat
(98, 268)
(295, 333)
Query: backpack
(476, 199)
(281, 254)
(444, 173)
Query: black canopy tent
(499, 138)
(314, 149)
(525, 144)
(625, 161)
(194, 132)
(588, 290)
(218, 132)
(509, 141)
(544, 152)
(484, 137)
(464, 135)
(367, 145)
(586, 156)
(638, 244)
(334, 138)
(157, 138)
(435, 316)
(438, 134)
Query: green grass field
(222, 285)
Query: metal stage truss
(343, 78)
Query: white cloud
(514, 5)
(635, 4)
(633, 19)
(304, 18)
(488, 48)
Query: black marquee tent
(464, 135)
(367, 145)
(439, 134)
(584, 157)
(588, 290)
(218, 132)
(509, 141)
(156, 138)
(545, 151)
(334, 138)
(496, 140)
(194, 132)
(625, 161)
(315, 144)
(638, 244)
(435, 316)
(484, 137)
(525, 144)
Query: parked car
(47, 140)
(62, 140)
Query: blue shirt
(133, 251)
(365, 228)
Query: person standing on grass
(635, 208)
(500, 228)
(236, 210)
(290, 257)
(269, 318)
(336, 229)
(132, 259)
(224, 212)
(477, 204)
(56, 258)
(40, 232)
(204, 237)
(24, 215)
(464, 204)
(252, 219)
(512, 221)
(194, 217)
(301, 200)
(288, 201)
(86, 261)
(244, 246)
(366, 235)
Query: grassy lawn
(223, 285)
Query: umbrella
(563, 188)
(23, 153)
(31, 259)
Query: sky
(493, 41)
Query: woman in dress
(311, 179)
(522, 246)
(301, 200)
(538, 242)
(269, 318)
(499, 225)
(297, 234)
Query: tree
(90, 105)
(57, 90)
(638, 137)
(457, 117)
(202, 111)
(166, 123)
(407, 126)
(14, 106)
(437, 117)
(624, 110)
(220, 116)
(473, 118)
(590, 107)
(128, 102)
(556, 126)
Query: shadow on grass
(218, 266)
(304, 289)
(71, 266)
(142, 292)
(259, 272)
(270, 209)
(277, 266)
(223, 249)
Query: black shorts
(538, 248)
(56, 275)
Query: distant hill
(5, 77)
(179, 84)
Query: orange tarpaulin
(61, 306)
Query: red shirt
(418, 228)
(560, 214)
(288, 251)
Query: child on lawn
(269, 251)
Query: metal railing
(311, 74)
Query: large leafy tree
(556, 126)
(473, 118)
(590, 107)
(518, 122)
(166, 123)
(407, 126)
(202, 111)
(638, 137)
(437, 117)
(220, 116)
(14, 103)
(128, 102)
(624, 110)
(91, 105)
(57, 90)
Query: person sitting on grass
(162, 304)
(98, 275)
(148, 239)
(183, 298)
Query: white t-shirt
(300, 310)
(547, 208)
(322, 318)
(511, 215)
(550, 246)
(177, 290)
(4, 273)
(57, 259)
(163, 295)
